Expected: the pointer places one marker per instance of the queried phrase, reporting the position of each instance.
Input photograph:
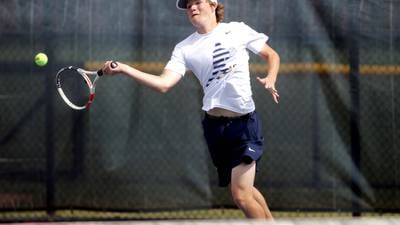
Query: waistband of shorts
(225, 118)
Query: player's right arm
(162, 83)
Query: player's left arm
(272, 58)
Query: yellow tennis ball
(41, 59)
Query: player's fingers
(276, 98)
(271, 89)
(105, 69)
(106, 64)
(108, 68)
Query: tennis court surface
(314, 221)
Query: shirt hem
(229, 108)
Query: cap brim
(181, 4)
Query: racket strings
(75, 87)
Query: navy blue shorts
(232, 141)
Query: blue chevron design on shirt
(220, 56)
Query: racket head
(75, 87)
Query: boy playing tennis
(217, 54)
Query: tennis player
(217, 54)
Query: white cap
(181, 4)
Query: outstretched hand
(269, 84)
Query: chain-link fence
(331, 143)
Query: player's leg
(242, 190)
(261, 200)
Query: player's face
(200, 12)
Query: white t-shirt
(220, 61)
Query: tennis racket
(75, 86)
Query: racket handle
(113, 65)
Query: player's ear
(213, 6)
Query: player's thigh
(242, 178)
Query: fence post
(354, 81)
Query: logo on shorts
(252, 150)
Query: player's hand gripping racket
(75, 86)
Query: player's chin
(196, 20)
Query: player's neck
(207, 27)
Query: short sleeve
(255, 40)
(177, 62)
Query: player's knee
(242, 201)
(241, 197)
